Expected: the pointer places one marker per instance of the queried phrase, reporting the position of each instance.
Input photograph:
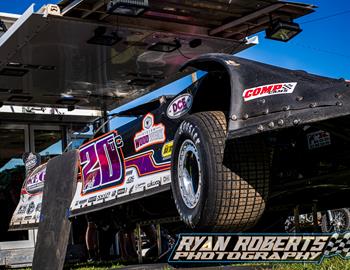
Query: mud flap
(54, 226)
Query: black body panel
(314, 98)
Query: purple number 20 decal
(102, 163)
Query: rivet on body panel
(260, 128)
(296, 121)
(271, 125)
(234, 117)
(313, 105)
(339, 103)
(245, 116)
(261, 101)
(280, 122)
(286, 108)
(299, 98)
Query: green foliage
(335, 263)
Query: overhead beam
(95, 7)
(246, 18)
(71, 6)
(244, 28)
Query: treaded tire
(235, 177)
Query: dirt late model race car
(244, 139)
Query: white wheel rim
(189, 174)
(339, 221)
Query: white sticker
(318, 139)
(179, 106)
(268, 90)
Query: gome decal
(179, 106)
(150, 134)
(268, 90)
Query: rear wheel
(218, 185)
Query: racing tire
(341, 222)
(218, 185)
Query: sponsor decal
(35, 181)
(83, 201)
(102, 162)
(140, 186)
(92, 199)
(167, 149)
(154, 183)
(22, 209)
(103, 196)
(166, 179)
(179, 106)
(318, 139)
(122, 191)
(231, 248)
(31, 208)
(29, 205)
(31, 161)
(150, 134)
(38, 208)
(268, 90)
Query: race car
(244, 138)
(227, 146)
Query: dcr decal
(179, 106)
(102, 162)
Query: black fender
(314, 98)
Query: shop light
(282, 30)
(127, 7)
(14, 64)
